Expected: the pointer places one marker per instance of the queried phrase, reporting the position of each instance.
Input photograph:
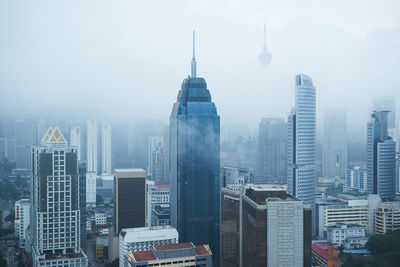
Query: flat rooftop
(268, 187)
(129, 173)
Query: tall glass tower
(381, 154)
(301, 143)
(194, 164)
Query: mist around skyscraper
(212, 133)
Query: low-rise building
(143, 238)
(160, 215)
(100, 219)
(324, 257)
(387, 218)
(347, 235)
(102, 247)
(182, 254)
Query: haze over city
(126, 59)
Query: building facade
(22, 220)
(301, 143)
(156, 195)
(335, 144)
(55, 209)
(182, 254)
(356, 179)
(106, 155)
(262, 225)
(381, 152)
(194, 164)
(272, 158)
(347, 235)
(75, 140)
(156, 159)
(91, 141)
(232, 175)
(130, 199)
(387, 218)
(143, 238)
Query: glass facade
(194, 166)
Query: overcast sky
(128, 58)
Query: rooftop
(203, 250)
(129, 173)
(320, 251)
(268, 187)
(141, 234)
(173, 246)
(143, 255)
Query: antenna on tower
(193, 74)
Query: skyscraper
(272, 159)
(156, 159)
(92, 145)
(91, 166)
(335, 144)
(262, 225)
(55, 214)
(106, 148)
(381, 153)
(76, 139)
(194, 164)
(301, 143)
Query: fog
(125, 60)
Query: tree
(114, 263)
(385, 249)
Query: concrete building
(262, 225)
(272, 151)
(92, 145)
(182, 254)
(155, 167)
(130, 187)
(26, 135)
(380, 157)
(232, 175)
(324, 257)
(356, 179)
(335, 144)
(301, 143)
(156, 195)
(22, 220)
(100, 219)
(143, 238)
(91, 189)
(387, 218)
(75, 140)
(348, 235)
(55, 210)
(106, 155)
(160, 215)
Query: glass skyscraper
(194, 165)
(381, 153)
(301, 143)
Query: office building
(272, 158)
(156, 159)
(22, 219)
(380, 157)
(182, 254)
(82, 203)
(349, 236)
(156, 195)
(335, 144)
(91, 189)
(8, 149)
(26, 135)
(130, 199)
(301, 143)
(106, 160)
(389, 104)
(55, 214)
(160, 215)
(262, 225)
(194, 164)
(92, 145)
(75, 140)
(100, 219)
(143, 238)
(232, 175)
(166, 154)
(387, 218)
(101, 247)
(356, 179)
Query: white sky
(128, 58)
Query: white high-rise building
(335, 144)
(76, 139)
(156, 194)
(106, 148)
(143, 238)
(301, 143)
(55, 209)
(22, 219)
(92, 145)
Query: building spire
(265, 34)
(193, 74)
